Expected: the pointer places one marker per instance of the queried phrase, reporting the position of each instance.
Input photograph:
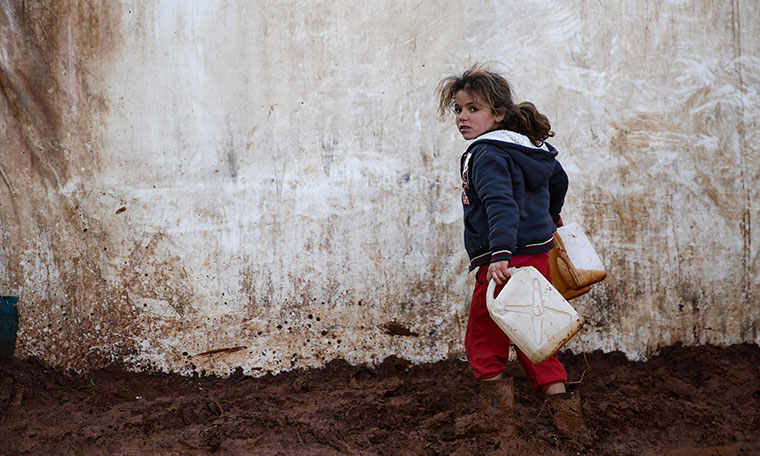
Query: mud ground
(685, 401)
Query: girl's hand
(498, 272)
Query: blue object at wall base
(8, 326)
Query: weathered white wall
(268, 179)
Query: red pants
(488, 347)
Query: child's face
(474, 117)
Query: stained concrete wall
(197, 186)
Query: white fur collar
(510, 137)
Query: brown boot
(497, 415)
(565, 411)
(497, 401)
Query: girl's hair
(493, 89)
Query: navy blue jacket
(512, 194)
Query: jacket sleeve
(558, 183)
(492, 182)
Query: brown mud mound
(685, 401)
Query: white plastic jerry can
(535, 316)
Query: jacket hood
(537, 163)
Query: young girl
(513, 189)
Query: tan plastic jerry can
(535, 316)
(574, 263)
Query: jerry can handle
(489, 292)
(492, 287)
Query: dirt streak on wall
(54, 253)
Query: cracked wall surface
(197, 187)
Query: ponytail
(527, 120)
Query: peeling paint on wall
(195, 188)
